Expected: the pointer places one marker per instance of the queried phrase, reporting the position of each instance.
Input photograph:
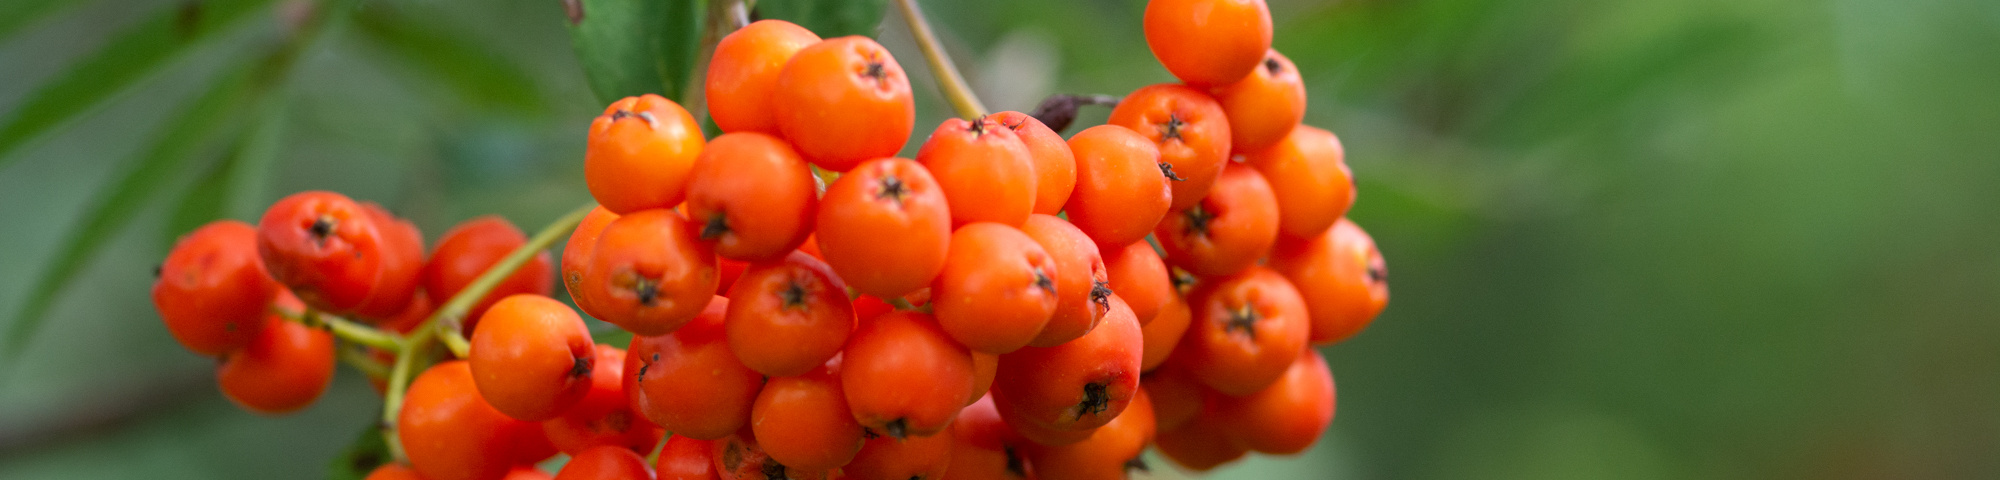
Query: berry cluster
(1009, 304)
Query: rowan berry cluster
(1009, 304)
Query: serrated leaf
(15, 14)
(445, 55)
(634, 47)
(368, 451)
(136, 52)
(828, 18)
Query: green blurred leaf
(232, 186)
(15, 14)
(368, 451)
(114, 206)
(137, 51)
(633, 47)
(451, 57)
(828, 18)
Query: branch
(452, 311)
(949, 80)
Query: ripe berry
(1112, 451)
(752, 196)
(1120, 193)
(469, 249)
(740, 457)
(997, 289)
(689, 382)
(1308, 178)
(1264, 106)
(1247, 329)
(684, 458)
(1225, 232)
(639, 154)
(1139, 276)
(212, 290)
(412, 316)
(789, 316)
(604, 416)
(1200, 445)
(340, 256)
(743, 74)
(984, 447)
(649, 273)
(883, 457)
(1176, 395)
(526, 472)
(984, 367)
(844, 100)
(1208, 42)
(1082, 290)
(803, 421)
(1286, 417)
(1343, 277)
(984, 163)
(576, 255)
(1164, 332)
(1190, 129)
(1055, 165)
(879, 362)
(606, 462)
(885, 227)
(393, 471)
(284, 368)
(449, 431)
(1075, 386)
(532, 357)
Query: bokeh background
(1646, 239)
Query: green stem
(367, 364)
(399, 384)
(355, 332)
(452, 311)
(949, 80)
(454, 340)
(346, 330)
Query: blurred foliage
(1643, 239)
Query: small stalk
(368, 365)
(949, 80)
(454, 340)
(420, 340)
(346, 330)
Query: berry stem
(354, 332)
(449, 314)
(454, 340)
(453, 311)
(346, 330)
(368, 365)
(949, 80)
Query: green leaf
(116, 204)
(368, 451)
(828, 18)
(15, 14)
(137, 51)
(633, 47)
(233, 186)
(448, 56)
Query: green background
(1644, 239)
